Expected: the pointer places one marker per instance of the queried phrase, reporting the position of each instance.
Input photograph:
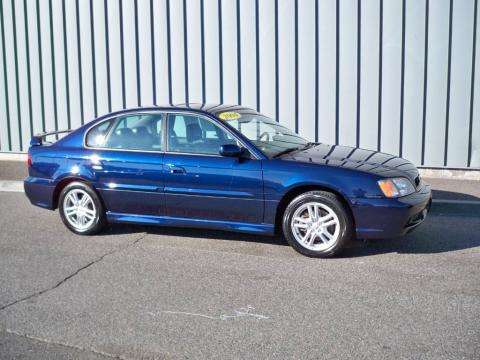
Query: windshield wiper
(286, 151)
(309, 145)
(289, 150)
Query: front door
(200, 183)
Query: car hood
(373, 162)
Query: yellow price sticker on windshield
(229, 115)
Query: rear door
(202, 184)
(126, 156)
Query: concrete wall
(399, 76)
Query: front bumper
(389, 218)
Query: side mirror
(231, 150)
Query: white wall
(391, 75)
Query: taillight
(29, 160)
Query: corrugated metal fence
(395, 75)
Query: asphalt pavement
(137, 292)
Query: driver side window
(194, 134)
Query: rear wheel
(317, 224)
(81, 209)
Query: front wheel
(81, 209)
(317, 224)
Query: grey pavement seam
(13, 332)
(41, 292)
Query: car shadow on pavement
(453, 195)
(431, 240)
(435, 236)
(193, 233)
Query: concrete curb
(459, 174)
(437, 173)
(466, 208)
(13, 157)
(11, 186)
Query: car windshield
(267, 135)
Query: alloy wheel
(315, 226)
(79, 209)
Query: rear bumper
(39, 191)
(389, 218)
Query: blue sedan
(223, 167)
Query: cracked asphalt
(160, 293)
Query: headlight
(396, 187)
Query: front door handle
(172, 169)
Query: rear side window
(133, 132)
(96, 137)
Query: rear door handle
(172, 169)
(96, 162)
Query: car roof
(214, 109)
(210, 108)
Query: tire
(87, 219)
(326, 237)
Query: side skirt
(264, 229)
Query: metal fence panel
(399, 76)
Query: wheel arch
(298, 190)
(68, 180)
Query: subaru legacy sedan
(223, 167)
